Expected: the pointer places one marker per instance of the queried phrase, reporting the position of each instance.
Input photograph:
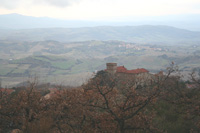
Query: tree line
(106, 103)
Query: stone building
(137, 76)
(121, 70)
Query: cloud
(56, 3)
(59, 3)
(12, 4)
(98, 9)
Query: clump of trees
(107, 103)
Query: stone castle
(140, 74)
(121, 70)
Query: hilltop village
(140, 47)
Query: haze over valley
(69, 56)
(102, 66)
(66, 42)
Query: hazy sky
(98, 9)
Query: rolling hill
(18, 21)
(138, 34)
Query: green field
(70, 59)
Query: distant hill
(55, 61)
(138, 34)
(17, 21)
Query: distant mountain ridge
(138, 34)
(17, 21)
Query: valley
(73, 63)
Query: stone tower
(111, 67)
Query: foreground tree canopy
(107, 103)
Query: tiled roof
(7, 91)
(136, 71)
(122, 69)
(53, 93)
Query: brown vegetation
(107, 103)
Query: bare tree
(121, 104)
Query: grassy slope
(86, 57)
(139, 34)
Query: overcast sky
(98, 9)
